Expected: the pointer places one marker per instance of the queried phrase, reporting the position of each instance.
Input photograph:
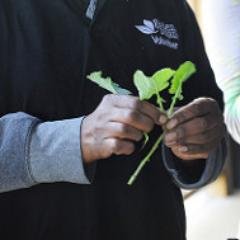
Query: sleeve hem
(27, 150)
(89, 169)
(213, 167)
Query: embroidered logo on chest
(161, 33)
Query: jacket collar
(81, 7)
(99, 7)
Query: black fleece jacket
(46, 50)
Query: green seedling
(149, 86)
(183, 73)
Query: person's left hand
(195, 129)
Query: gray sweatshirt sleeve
(15, 134)
(198, 173)
(32, 152)
(55, 152)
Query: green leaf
(184, 72)
(161, 78)
(149, 86)
(107, 83)
(144, 85)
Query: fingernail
(171, 137)
(162, 119)
(172, 124)
(183, 149)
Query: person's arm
(232, 106)
(224, 53)
(33, 152)
(188, 170)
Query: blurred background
(213, 213)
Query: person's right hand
(115, 125)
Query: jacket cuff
(55, 153)
(15, 135)
(198, 173)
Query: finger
(196, 126)
(194, 149)
(197, 108)
(122, 131)
(119, 147)
(133, 103)
(203, 138)
(154, 113)
(189, 157)
(133, 118)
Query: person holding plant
(68, 147)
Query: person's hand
(115, 125)
(195, 129)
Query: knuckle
(123, 129)
(100, 117)
(130, 148)
(214, 105)
(139, 136)
(136, 104)
(180, 117)
(204, 136)
(181, 142)
(203, 123)
(98, 129)
(131, 116)
(184, 115)
(108, 98)
(197, 108)
(149, 126)
(180, 132)
(208, 102)
(211, 101)
(204, 100)
(115, 145)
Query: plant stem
(174, 101)
(155, 146)
(146, 139)
(160, 103)
(144, 161)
